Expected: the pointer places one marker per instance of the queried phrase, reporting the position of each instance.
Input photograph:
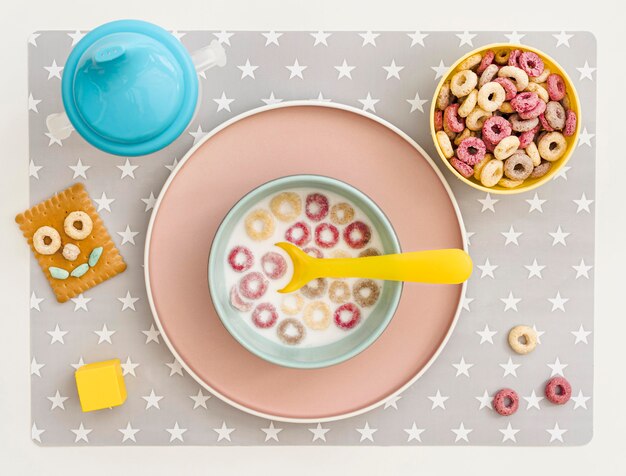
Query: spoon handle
(449, 266)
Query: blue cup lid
(129, 88)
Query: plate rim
(191, 152)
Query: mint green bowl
(302, 357)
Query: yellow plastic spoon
(451, 266)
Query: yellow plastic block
(100, 385)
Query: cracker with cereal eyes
(71, 217)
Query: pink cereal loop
(570, 124)
(461, 167)
(486, 61)
(558, 390)
(527, 137)
(471, 150)
(531, 63)
(506, 402)
(525, 101)
(544, 123)
(514, 58)
(451, 116)
(509, 87)
(556, 87)
(534, 112)
(438, 120)
(496, 128)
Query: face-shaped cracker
(52, 213)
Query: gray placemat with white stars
(534, 254)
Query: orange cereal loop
(317, 315)
(286, 206)
(366, 292)
(341, 214)
(502, 56)
(443, 98)
(264, 219)
(339, 292)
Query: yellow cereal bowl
(529, 184)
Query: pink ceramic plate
(286, 139)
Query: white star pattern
(508, 433)
(557, 368)
(271, 100)
(465, 303)
(271, 38)
(562, 39)
(128, 302)
(486, 401)
(532, 401)
(57, 401)
(80, 302)
(344, 70)
(172, 166)
(558, 237)
(35, 301)
(178, 34)
(581, 335)
(439, 401)
(514, 37)
(54, 70)
(35, 367)
(536, 204)
(556, 433)
(32, 103)
(487, 269)
(128, 236)
(393, 70)
(366, 432)
(414, 433)
(558, 302)
(582, 270)
(461, 433)
(586, 71)
(223, 433)
(104, 202)
(562, 173)
(223, 104)
(319, 433)
(462, 368)
(417, 38)
(247, 70)
(128, 367)
(127, 169)
(223, 37)
(369, 38)
(511, 236)
(510, 368)
(152, 400)
(321, 38)
(539, 333)
(152, 335)
(510, 302)
(392, 402)
(81, 433)
(175, 368)
(104, 335)
(466, 38)
(78, 364)
(584, 138)
(534, 269)
(440, 70)
(35, 433)
(580, 401)
(128, 433)
(271, 432)
(33, 169)
(488, 203)
(32, 38)
(417, 104)
(200, 399)
(176, 433)
(369, 104)
(57, 335)
(198, 135)
(296, 70)
(150, 202)
(582, 204)
(76, 37)
(79, 169)
(486, 335)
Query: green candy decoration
(58, 273)
(95, 256)
(78, 271)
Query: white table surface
(604, 455)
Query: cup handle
(209, 56)
(59, 125)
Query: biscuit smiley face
(70, 242)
